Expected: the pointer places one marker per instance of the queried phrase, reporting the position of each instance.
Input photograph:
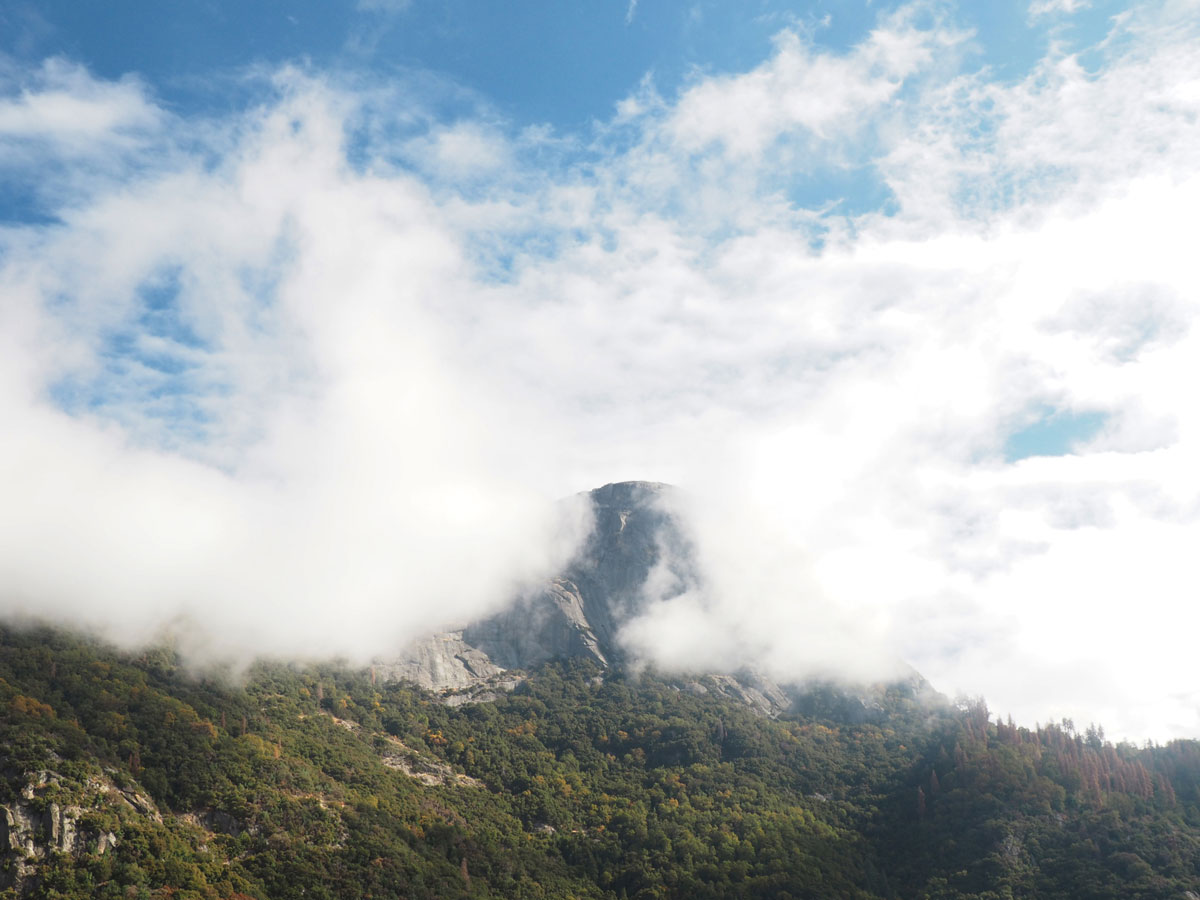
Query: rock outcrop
(536, 629)
(576, 615)
(635, 541)
(636, 554)
(32, 827)
(441, 662)
(579, 613)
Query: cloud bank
(231, 409)
(305, 377)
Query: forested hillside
(129, 776)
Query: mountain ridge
(576, 614)
(579, 612)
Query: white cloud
(803, 90)
(976, 148)
(758, 603)
(357, 487)
(835, 390)
(1041, 8)
(462, 152)
(64, 135)
(61, 105)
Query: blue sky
(563, 64)
(318, 300)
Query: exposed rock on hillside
(761, 694)
(535, 629)
(576, 615)
(32, 827)
(579, 615)
(441, 662)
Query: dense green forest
(130, 776)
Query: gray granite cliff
(576, 614)
(579, 614)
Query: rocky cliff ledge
(33, 826)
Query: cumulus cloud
(315, 398)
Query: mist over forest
(620, 450)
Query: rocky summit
(579, 614)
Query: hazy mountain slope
(318, 782)
(127, 776)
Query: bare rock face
(536, 629)
(576, 615)
(32, 828)
(637, 554)
(580, 613)
(441, 662)
(635, 536)
(761, 694)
